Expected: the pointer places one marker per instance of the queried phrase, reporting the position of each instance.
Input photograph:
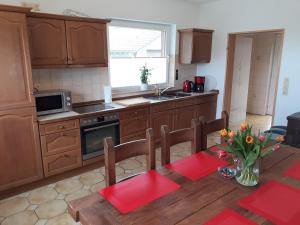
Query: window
(134, 45)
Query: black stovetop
(92, 108)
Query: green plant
(145, 74)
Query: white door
(240, 82)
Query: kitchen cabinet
(161, 118)
(16, 89)
(195, 46)
(61, 146)
(63, 41)
(87, 43)
(133, 123)
(207, 110)
(47, 41)
(20, 155)
(183, 117)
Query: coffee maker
(199, 84)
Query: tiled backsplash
(86, 84)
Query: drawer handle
(61, 126)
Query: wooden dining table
(194, 203)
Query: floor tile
(76, 195)
(51, 209)
(22, 218)
(91, 178)
(98, 186)
(13, 206)
(42, 222)
(32, 207)
(64, 219)
(68, 186)
(42, 195)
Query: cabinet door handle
(61, 126)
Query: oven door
(92, 138)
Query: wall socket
(34, 6)
(285, 89)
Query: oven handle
(100, 127)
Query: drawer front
(60, 142)
(134, 137)
(186, 102)
(58, 127)
(59, 163)
(162, 107)
(127, 127)
(134, 113)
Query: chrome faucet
(164, 90)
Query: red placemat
(276, 202)
(294, 171)
(216, 148)
(138, 191)
(229, 217)
(197, 165)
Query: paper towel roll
(107, 94)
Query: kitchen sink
(168, 96)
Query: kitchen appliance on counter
(53, 101)
(188, 86)
(94, 130)
(199, 84)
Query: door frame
(230, 65)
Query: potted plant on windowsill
(145, 74)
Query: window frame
(166, 28)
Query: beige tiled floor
(47, 205)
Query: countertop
(116, 108)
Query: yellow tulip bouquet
(248, 149)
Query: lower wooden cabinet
(133, 137)
(183, 117)
(62, 162)
(61, 146)
(20, 155)
(60, 142)
(159, 119)
(207, 110)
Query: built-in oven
(94, 130)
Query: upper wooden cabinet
(47, 41)
(195, 46)
(86, 43)
(65, 41)
(15, 74)
(20, 155)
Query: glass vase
(247, 175)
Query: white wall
(181, 13)
(227, 16)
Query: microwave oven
(54, 101)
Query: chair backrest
(169, 139)
(212, 126)
(114, 154)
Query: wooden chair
(209, 127)
(114, 154)
(169, 139)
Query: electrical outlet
(285, 89)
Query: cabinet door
(47, 38)
(20, 155)
(159, 119)
(202, 43)
(15, 74)
(86, 43)
(207, 110)
(183, 117)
